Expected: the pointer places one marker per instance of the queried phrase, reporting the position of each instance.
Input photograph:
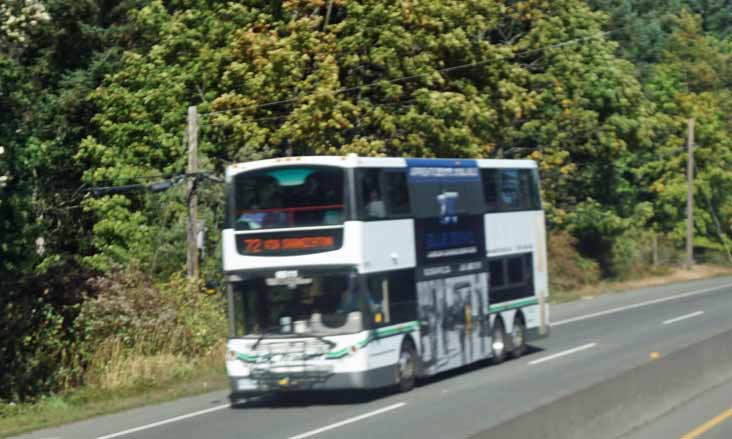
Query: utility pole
(192, 259)
(3, 178)
(328, 10)
(690, 195)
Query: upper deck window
(292, 196)
(508, 190)
(382, 193)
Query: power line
(410, 77)
(158, 186)
(286, 116)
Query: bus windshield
(329, 303)
(292, 196)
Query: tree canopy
(95, 93)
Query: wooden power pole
(192, 259)
(690, 195)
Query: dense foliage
(95, 92)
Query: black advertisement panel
(447, 201)
(461, 239)
(452, 269)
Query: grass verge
(206, 375)
(656, 277)
(125, 383)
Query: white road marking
(639, 305)
(349, 421)
(684, 317)
(167, 421)
(562, 354)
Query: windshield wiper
(330, 343)
(264, 333)
(269, 330)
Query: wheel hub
(406, 366)
(518, 335)
(498, 344)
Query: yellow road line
(708, 425)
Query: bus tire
(518, 337)
(407, 366)
(498, 341)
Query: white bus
(355, 272)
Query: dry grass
(664, 276)
(116, 367)
(120, 380)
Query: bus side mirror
(210, 287)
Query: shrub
(37, 349)
(568, 270)
(139, 325)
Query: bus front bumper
(269, 381)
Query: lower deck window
(511, 278)
(311, 304)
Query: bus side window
(402, 296)
(490, 188)
(516, 270)
(371, 196)
(378, 291)
(535, 190)
(529, 189)
(510, 193)
(397, 195)
(498, 277)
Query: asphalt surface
(707, 416)
(591, 341)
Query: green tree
(371, 77)
(692, 81)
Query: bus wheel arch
(407, 366)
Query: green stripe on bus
(378, 333)
(514, 305)
(407, 327)
(246, 357)
(336, 354)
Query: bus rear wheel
(518, 337)
(498, 342)
(407, 366)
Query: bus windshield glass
(320, 304)
(292, 196)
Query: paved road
(591, 341)
(708, 416)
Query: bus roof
(355, 161)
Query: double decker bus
(356, 272)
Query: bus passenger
(375, 207)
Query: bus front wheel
(407, 366)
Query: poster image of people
(453, 314)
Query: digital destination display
(289, 243)
(258, 245)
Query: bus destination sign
(289, 243)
